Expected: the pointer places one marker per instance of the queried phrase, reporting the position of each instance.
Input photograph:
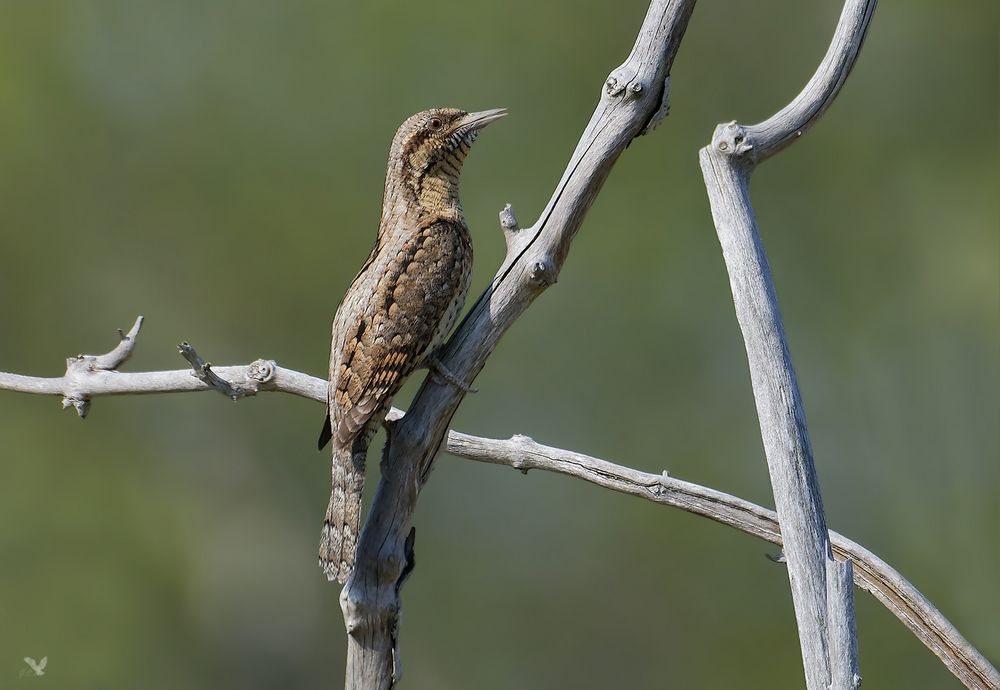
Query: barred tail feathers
(341, 528)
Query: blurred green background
(218, 168)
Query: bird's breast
(454, 307)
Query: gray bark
(632, 97)
(633, 101)
(871, 574)
(727, 164)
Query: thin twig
(120, 354)
(203, 370)
(88, 376)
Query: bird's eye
(434, 123)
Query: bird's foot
(440, 372)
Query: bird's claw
(440, 372)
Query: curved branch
(727, 164)
(871, 573)
(785, 126)
(121, 352)
(633, 101)
(522, 453)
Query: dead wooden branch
(632, 97)
(870, 573)
(727, 164)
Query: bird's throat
(437, 195)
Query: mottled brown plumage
(399, 308)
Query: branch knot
(543, 273)
(78, 368)
(733, 139)
(511, 229)
(613, 87)
(203, 370)
(261, 370)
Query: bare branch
(88, 376)
(634, 100)
(520, 452)
(633, 94)
(121, 353)
(511, 229)
(35, 384)
(79, 367)
(843, 626)
(259, 376)
(727, 164)
(785, 126)
(203, 370)
(870, 572)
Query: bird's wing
(374, 367)
(326, 432)
(399, 324)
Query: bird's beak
(476, 121)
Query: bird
(399, 308)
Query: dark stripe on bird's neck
(435, 188)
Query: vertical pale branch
(871, 573)
(842, 625)
(633, 99)
(727, 164)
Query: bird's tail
(339, 540)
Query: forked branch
(870, 572)
(523, 454)
(632, 97)
(829, 652)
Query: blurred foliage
(218, 168)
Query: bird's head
(429, 149)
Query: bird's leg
(440, 372)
